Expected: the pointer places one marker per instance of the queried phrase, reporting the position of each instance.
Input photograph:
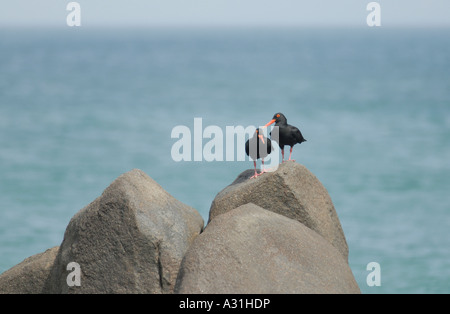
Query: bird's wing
(269, 145)
(298, 136)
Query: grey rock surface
(129, 240)
(29, 276)
(252, 250)
(292, 191)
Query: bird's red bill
(269, 123)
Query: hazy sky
(225, 12)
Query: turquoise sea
(79, 107)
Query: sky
(122, 13)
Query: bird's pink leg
(256, 173)
(282, 155)
(262, 170)
(291, 154)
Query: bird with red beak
(257, 147)
(288, 135)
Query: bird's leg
(282, 155)
(256, 173)
(262, 167)
(291, 154)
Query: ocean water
(79, 107)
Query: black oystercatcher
(288, 134)
(258, 147)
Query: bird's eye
(278, 115)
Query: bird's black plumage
(287, 134)
(257, 147)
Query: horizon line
(224, 26)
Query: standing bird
(258, 147)
(288, 134)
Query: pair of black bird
(260, 146)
